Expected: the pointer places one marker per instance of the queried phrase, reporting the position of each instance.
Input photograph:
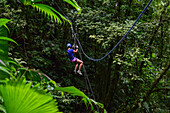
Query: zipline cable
(87, 81)
(118, 42)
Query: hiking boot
(79, 72)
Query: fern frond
(74, 4)
(49, 12)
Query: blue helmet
(68, 45)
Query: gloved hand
(77, 47)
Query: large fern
(49, 11)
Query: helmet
(68, 45)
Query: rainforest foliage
(34, 64)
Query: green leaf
(146, 106)
(49, 11)
(71, 90)
(13, 62)
(76, 92)
(53, 82)
(26, 2)
(1, 62)
(153, 55)
(2, 108)
(3, 44)
(36, 1)
(7, 39)
(19, 97)
(74, 4)
(1, 51)
(4, 70)
(4, 54)
(4, 21)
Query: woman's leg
(81, 63)
(76, 67)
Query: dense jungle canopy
(35, 71)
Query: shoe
(79, 72)
(75, 71)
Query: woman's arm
(75, 51)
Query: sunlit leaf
(74, 4)
(4, 70)
(2, 108)
(71, 90)
(1, 51)
(4, 21)
(19, 97)
(1, 62)
(49, 11)
(7, 39)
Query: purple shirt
(70, 54)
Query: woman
(74, 59)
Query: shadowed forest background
(135, 77)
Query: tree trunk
(112, 84)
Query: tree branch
(145, 98)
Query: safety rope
(118, 42)
(87, 81)
(75, 43)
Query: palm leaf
(72, 90)
(19, 97)
(74, 4)
(2, 108)
(3, 22)
(49, 11)
(76, 92)
(7, 39)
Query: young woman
(74, 59)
